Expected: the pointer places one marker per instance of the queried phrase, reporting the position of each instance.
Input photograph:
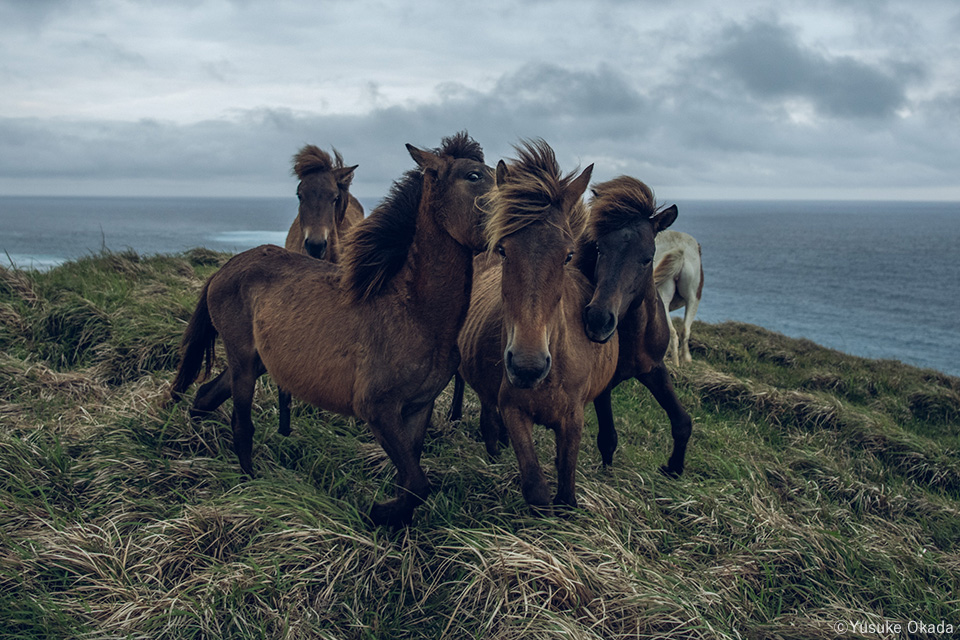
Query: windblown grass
(821, 488)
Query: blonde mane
(533, 192)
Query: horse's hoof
(284, 431)
(390, 514)
(673, 474)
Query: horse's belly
(318, 371)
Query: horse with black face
(617, 254)
(327, 211)
(523, 346)
(376, 339)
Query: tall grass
(820, 488)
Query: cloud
(768, 60)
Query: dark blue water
(874, 279)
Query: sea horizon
(859, 276)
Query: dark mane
(376, 248)
(311, 159)
(533, 191)
(616, 204)
(619, 203)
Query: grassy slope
(820, 488)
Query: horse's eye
(336, 198)
(569, 258)
(503, 254)
(474, 176)
(647, 262)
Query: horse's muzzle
(317, 249)
(599, 324)
(527, 371)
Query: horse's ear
(345, 176)
(665, 218)
(578, 186)
(424, 159)
(502, 173)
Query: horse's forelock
(460, 145)
(619, 203)
(311, 159)
(533, 192)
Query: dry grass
(820, 488)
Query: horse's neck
(438, 274)
(641, 310)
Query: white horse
(678, 276)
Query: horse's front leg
(657, 380)
(569, 432)
(533, 483)
(401, 436)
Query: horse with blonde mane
(523, 346)
(376, 339)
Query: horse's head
(536, 216)
(324, 193)
(456, 179)
(617, 251)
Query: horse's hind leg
(492, 429)
(456, 404)
(283, 406)
(211, 395)
(607, 431)
(689, 313)
(244, 376)
(402, 438)
(657, 380)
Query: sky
(754, 99)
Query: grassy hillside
(820, 489)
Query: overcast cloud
(848, 99)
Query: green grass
(820, 488)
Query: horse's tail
(668, 268)
(196, 347)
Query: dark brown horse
(523, 346)
(616, 253)
(377, 340)
(327, 210)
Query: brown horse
(523, 346)
(376, 340)
(616, 253)
(327, 210)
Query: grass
(820, 488)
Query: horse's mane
(533, 192)
(376, 248)
(312, 158)
(617, 204)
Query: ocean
(873, 279)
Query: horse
(523, 346)
(617, 253)
(678, 275)
(327, 210)
(375, 338)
